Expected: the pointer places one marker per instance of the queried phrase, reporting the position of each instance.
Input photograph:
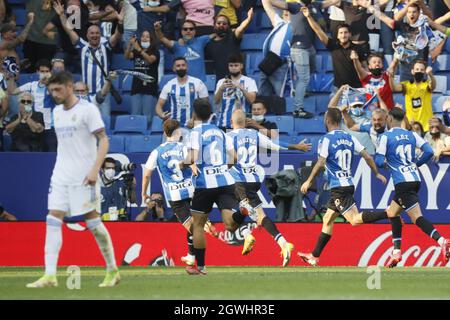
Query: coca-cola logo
(236, 238)
(414, 256)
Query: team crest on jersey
(191, 55)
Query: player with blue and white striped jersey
(235, 91)
(397, 148)
(212, 151)
(181, 93)
(336, 151)
(249, 175)
(176, 179)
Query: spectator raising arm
(59, 9)
(244, 24)
(349, 122)
(396, 87)
(362, 73)
(158, 31)
(334, 101)
(117, 36)
(432, 84)
(10, 45)
(270, 11)
(425, 10)
(315, 26)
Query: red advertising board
(141, 244)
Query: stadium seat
(124, 107)
(156, 127)
(309, 104)
(168, 60)
(439, 103)
(165, 78)
(126, 83)
(318, 45)
(21, 17)
(322, 101)
(211, 82)
(253, 41)
(130, 124)
(142, 143)
(321, 82)
(313, 139)
(327, 63)
(116, 144)
(319, 63)
(443, 62)
(107, 121)
(7, 142)
(285, 124)
(252, 59)
(447, 45)
(399, 98)
(118, 61)
(290, 104)
(313, 125)
(441, 84)
(265, 25)
(374, 41)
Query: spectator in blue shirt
(190, 47)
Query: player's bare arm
(102, 150)
(320, 164)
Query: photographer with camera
(155, 209)
(118, 186)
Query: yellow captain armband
(447, 32)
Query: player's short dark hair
(260, 101)
(334, 115)
(63, 77)
(415, 5)
(202, 108)
(170, 125)
(397, 113)
(108, 160)
(43, 63)
(235, 58)
(178, 59)
(343, 25)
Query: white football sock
(281, 242)
(246, 232)
(53, 243)
(104, 242)
(441, 240)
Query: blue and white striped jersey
(246, 143)
(337, 147)
(212, 145)
(398, 147)
(182, 97)
(279, 39)
(91, 72)
(177, 182)
(234, 99)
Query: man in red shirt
(377, 79)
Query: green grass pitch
(240, 283)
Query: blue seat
(290, 104)
(7, 142)
(157, 125)
(116, 143)
(27, 77)
(322, 101)
(142, 143)
(327, 63)
(107, 121)
(441, 84)
(21, 17)
(399, 98)
(285, 124)
(124, 107)
(443, 62)
(131, 124)
(318, 45)
(447, 45)
(164, 79)
(319, 63)
(313, 125)
(126, 83)
(168, 60)
(253, 41)
(439, 103)
(118, 61)
(211, 82)
(265, 24)
(321, 82)
(313, 139)
(252, 60)
(309, 104)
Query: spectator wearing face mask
(417, 92)
(26, 128)
(58, 65)
(155, 209)
(145, 55)
(259, 122)
(42, 101)
(81, 90)
(438, 140)
(113, 199)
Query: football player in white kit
(74, 188)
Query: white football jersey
(77, 144)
